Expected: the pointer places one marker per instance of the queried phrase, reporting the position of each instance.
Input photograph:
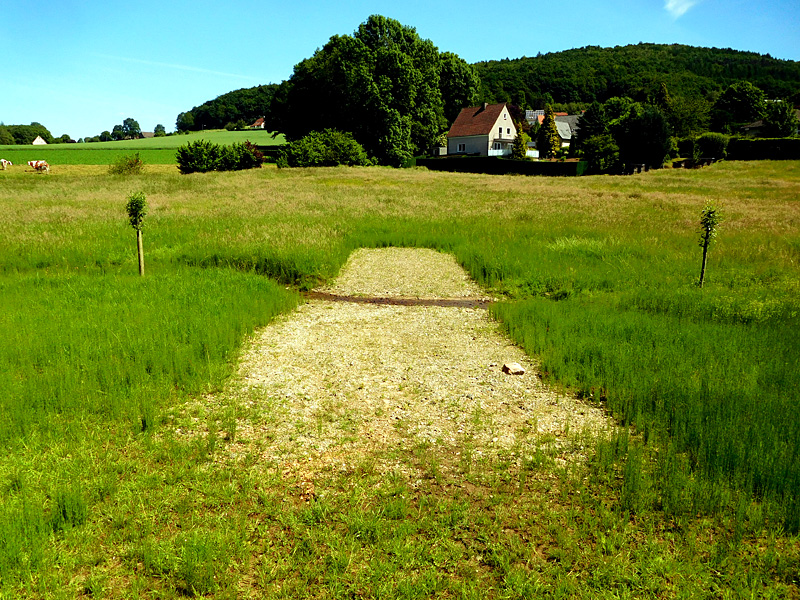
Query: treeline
(236, 109)
(569, 80)
(595, 74)
(24, 134)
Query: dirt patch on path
(335, 382)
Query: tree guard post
(140, 248)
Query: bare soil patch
(338, 382)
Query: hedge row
(492, 165)
(764, 149)
(202, 156)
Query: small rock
(513, 369)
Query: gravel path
(334, 382)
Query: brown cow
(39, 165)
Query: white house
(482, 130)
(39, 141)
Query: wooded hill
(236, 107)
(592, 73)
(581, 75)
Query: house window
(505, 116)
(500, 132)
(508, 130)
(497, 146)
(462, 148)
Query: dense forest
(242, 106)
(589, 74)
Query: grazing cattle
(39, 165)
(6, 163)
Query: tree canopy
(6, 139)
(384, 84)
(247, 104)
(131, 129)
(780, 120)
(25, 134)
(593, 74)
(739, 104)
(642, 135)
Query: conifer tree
(547, 139)
(519, 149)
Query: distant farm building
(39, 141)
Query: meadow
(154, 151)
(697, 495)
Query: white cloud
(677, 8)
(175, 66)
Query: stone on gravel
(513, 369)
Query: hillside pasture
(114, 471)
(153, 151)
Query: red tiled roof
(476, 120)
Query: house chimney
(485, 105)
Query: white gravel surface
(335, 382)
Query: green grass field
(698, 497)
(154, 151)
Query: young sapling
(137, 209)
(709, 221)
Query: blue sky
(80, 66)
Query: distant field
(155, 151)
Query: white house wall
(504, 121)
(475, 144)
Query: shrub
(327, 148)
(713, 145)
(202, 156)
(245, 156)
(127, 165)
(601, 153)
(199, 156)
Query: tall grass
(118, 346)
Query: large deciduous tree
(643, 135)
(739, 104)
(591, 123)
(459, 84)
(780, 120)
(5, 136)
(384, 84)
(131, 129)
